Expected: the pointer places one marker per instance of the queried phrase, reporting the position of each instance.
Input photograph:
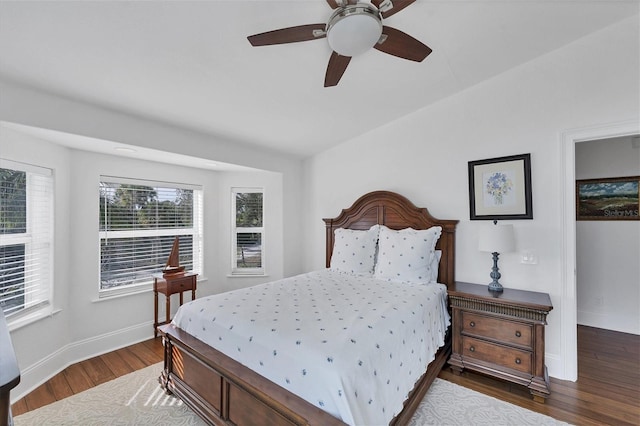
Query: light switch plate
(529, 257)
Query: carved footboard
(224, 392)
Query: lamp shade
(497, 239)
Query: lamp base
(495, 286)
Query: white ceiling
(188, 63)
(123, 150)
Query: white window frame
(39, 237)
(196, 232)
(235, 230)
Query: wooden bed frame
(224, 392)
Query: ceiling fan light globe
(352, 31)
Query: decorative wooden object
(222, 391)
(173, 263)
(9, 372)
(168, 284)
(501, 334)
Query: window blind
(26, 236)
(138, 224)
(248, 230)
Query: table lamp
(496, 239)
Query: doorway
(608, 249)
(569, 139)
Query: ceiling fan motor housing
(354, 29)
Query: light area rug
(137, 399)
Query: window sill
(246, 275)
(104, 297)
(143, 288)
(23, 321)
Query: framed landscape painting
(607, 199)
(500, 188)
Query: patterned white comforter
(351, 345)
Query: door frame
(569, 307)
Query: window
(139, 221)
(26, 237)
(248, 231)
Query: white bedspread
(353, 346)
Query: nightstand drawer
(498, 329)
(180, 284)
(513, 358)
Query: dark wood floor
(607, 391)
(91, 372)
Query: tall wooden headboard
(396, 212)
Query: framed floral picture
(500, 188)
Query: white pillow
(435, 265)
(405, 256)
(355, 251)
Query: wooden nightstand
(168, 285)
(501, 335)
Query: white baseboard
(607, 322)
(38, 373)
(555, 366)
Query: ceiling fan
(354, 28)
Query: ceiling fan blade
(402, 45)
(390, 7)
(335, 69)
(334, 4)
(289, 35)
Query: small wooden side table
(168, 285)
(501, 334)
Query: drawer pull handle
(518, 361)
(518, 334)
(472, 349)
(472, 324)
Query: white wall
(424, 156)
(30, 107)
(40, 342)
(83, 325)
(608, 252)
